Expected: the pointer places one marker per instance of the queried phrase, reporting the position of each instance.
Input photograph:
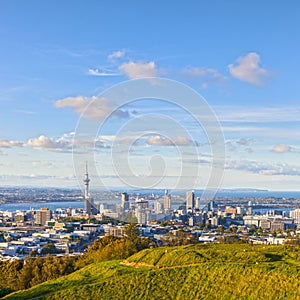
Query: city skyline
(242, 58)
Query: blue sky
(241, 56)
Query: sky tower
(86, 180)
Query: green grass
(187, 272)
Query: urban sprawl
(165, 218)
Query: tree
(130, 218)
(220, 229)
(292, 241)
(5, 291)
(23, 274)
(180, 238)
(49, 248)
(259, 231)
(131, 232)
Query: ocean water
(37, 205)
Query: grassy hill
(218, 271)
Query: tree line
(28, 272)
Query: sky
(66, 68)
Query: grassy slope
(188, 272)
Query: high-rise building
(190, 200)
(20, 217)
(295, 214)
(230, 210)
(125, 201)
(141, 204)
(157, 207)
(143, 215)
(43, 216)
(239, 210)
(167, 201)
(197, 202)
(89, 202)
(211, 206)
(249, 210)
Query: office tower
(43, 216)
(295, 214)
(190, 200)
(239, 210)
(211, 206)
(143, 215)
(197, 202)
(167, 201)
(157, 207)
(142, 204)
(20, 217)
(249, 210)
(125, 201)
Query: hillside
(188, 272)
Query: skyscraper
(157, 207)
(211, 206)
(295, 214)
(89, 204)
(125, 201)
(190, 200)
(249, 210)
(167, 201)
(43, 216)
(197, 202)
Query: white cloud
(139, 69)
(248, 69)
(81, 144)
(26, 112)
(65, 144)
(116, 55)
(230, 146)
(244, 114)
(206, 74)
(244, 142)
(101, 73)
(128, 141)
(157, 140)
(263, 168)
(8, 144)
(249, 150)
(94, 108)
(282, 148)
(48, 143)
(45, 179)
(108, 138)
(238, 144)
